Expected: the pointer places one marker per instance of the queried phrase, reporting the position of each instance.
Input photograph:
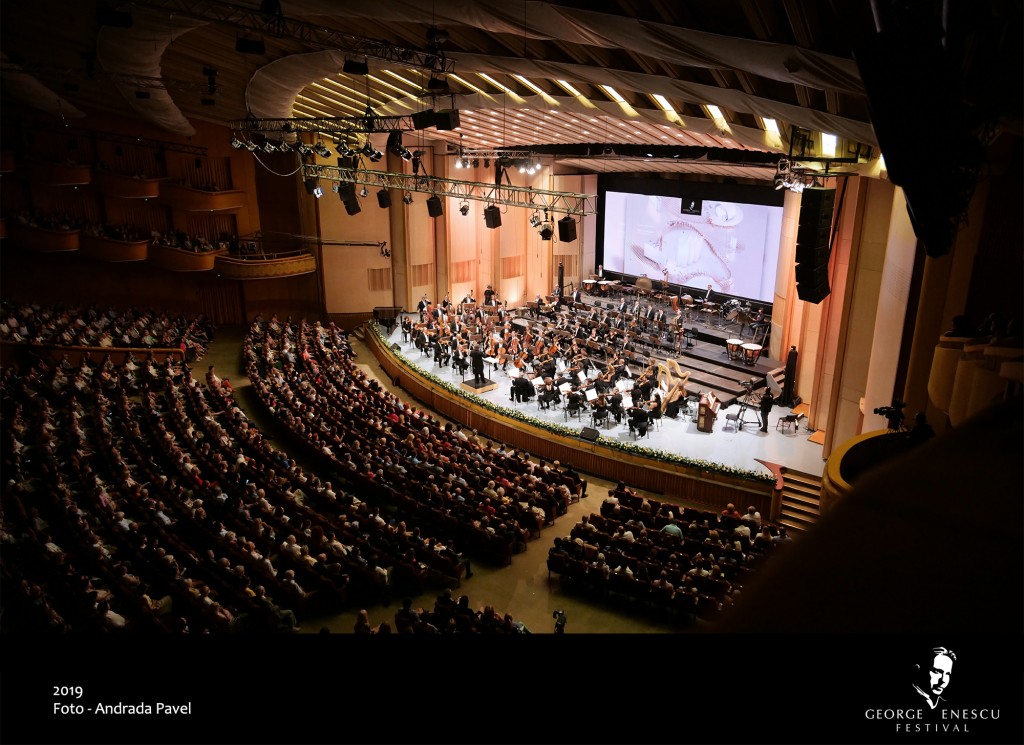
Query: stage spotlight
(250, 146)
(535, 220)
(464, 208)
(321, 150)
(487, 162)
(363, 193)
(407, 198)
(283, 146)
(269, 147)
(375, 156)
(236, 143)
(458, 163)
(476, 162)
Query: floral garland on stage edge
(559, 429)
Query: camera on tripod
(893, 413)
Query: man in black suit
(577, 297)
(477, 359)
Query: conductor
(477, 359)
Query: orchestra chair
(733, 418)
(787, 422)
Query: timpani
(750, 353)
(734, 347)
(603, 287)
(588, 285)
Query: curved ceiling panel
(137, 51)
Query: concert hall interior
(519, 303)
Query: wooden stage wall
(672, 482)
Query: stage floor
(741, 449)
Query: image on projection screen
(731, 246)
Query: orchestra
(589, 359)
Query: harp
(672, 379)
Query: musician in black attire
(522, 390)
(767, 401)
(548, 394)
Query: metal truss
(312, 35)
(340, 125)
(504, 194)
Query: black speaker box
(566, 230)
(816, 207)
(492, 216)
(248, 46)
(447, 119)
(589, 434)
(813, 293)
(347, 191)
(423, 119)
(434, 206)
(353, 207)
(813, 240)
(384, 198)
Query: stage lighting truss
(508, 195)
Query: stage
(740, 446)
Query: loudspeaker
(566, 230)
(447, 119)
(434, 206)
(816, 208)
(589, 434)
(812, 244)
(250, 46)
(347, 191)
(492, 216)
(814, 293)
(423, 119)
(384, 198)
(353, 208)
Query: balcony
(60, 174)
(198, 200)
(180, 260)
(265, 267)
(127, 187)
(43, 239)
(108, 249)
